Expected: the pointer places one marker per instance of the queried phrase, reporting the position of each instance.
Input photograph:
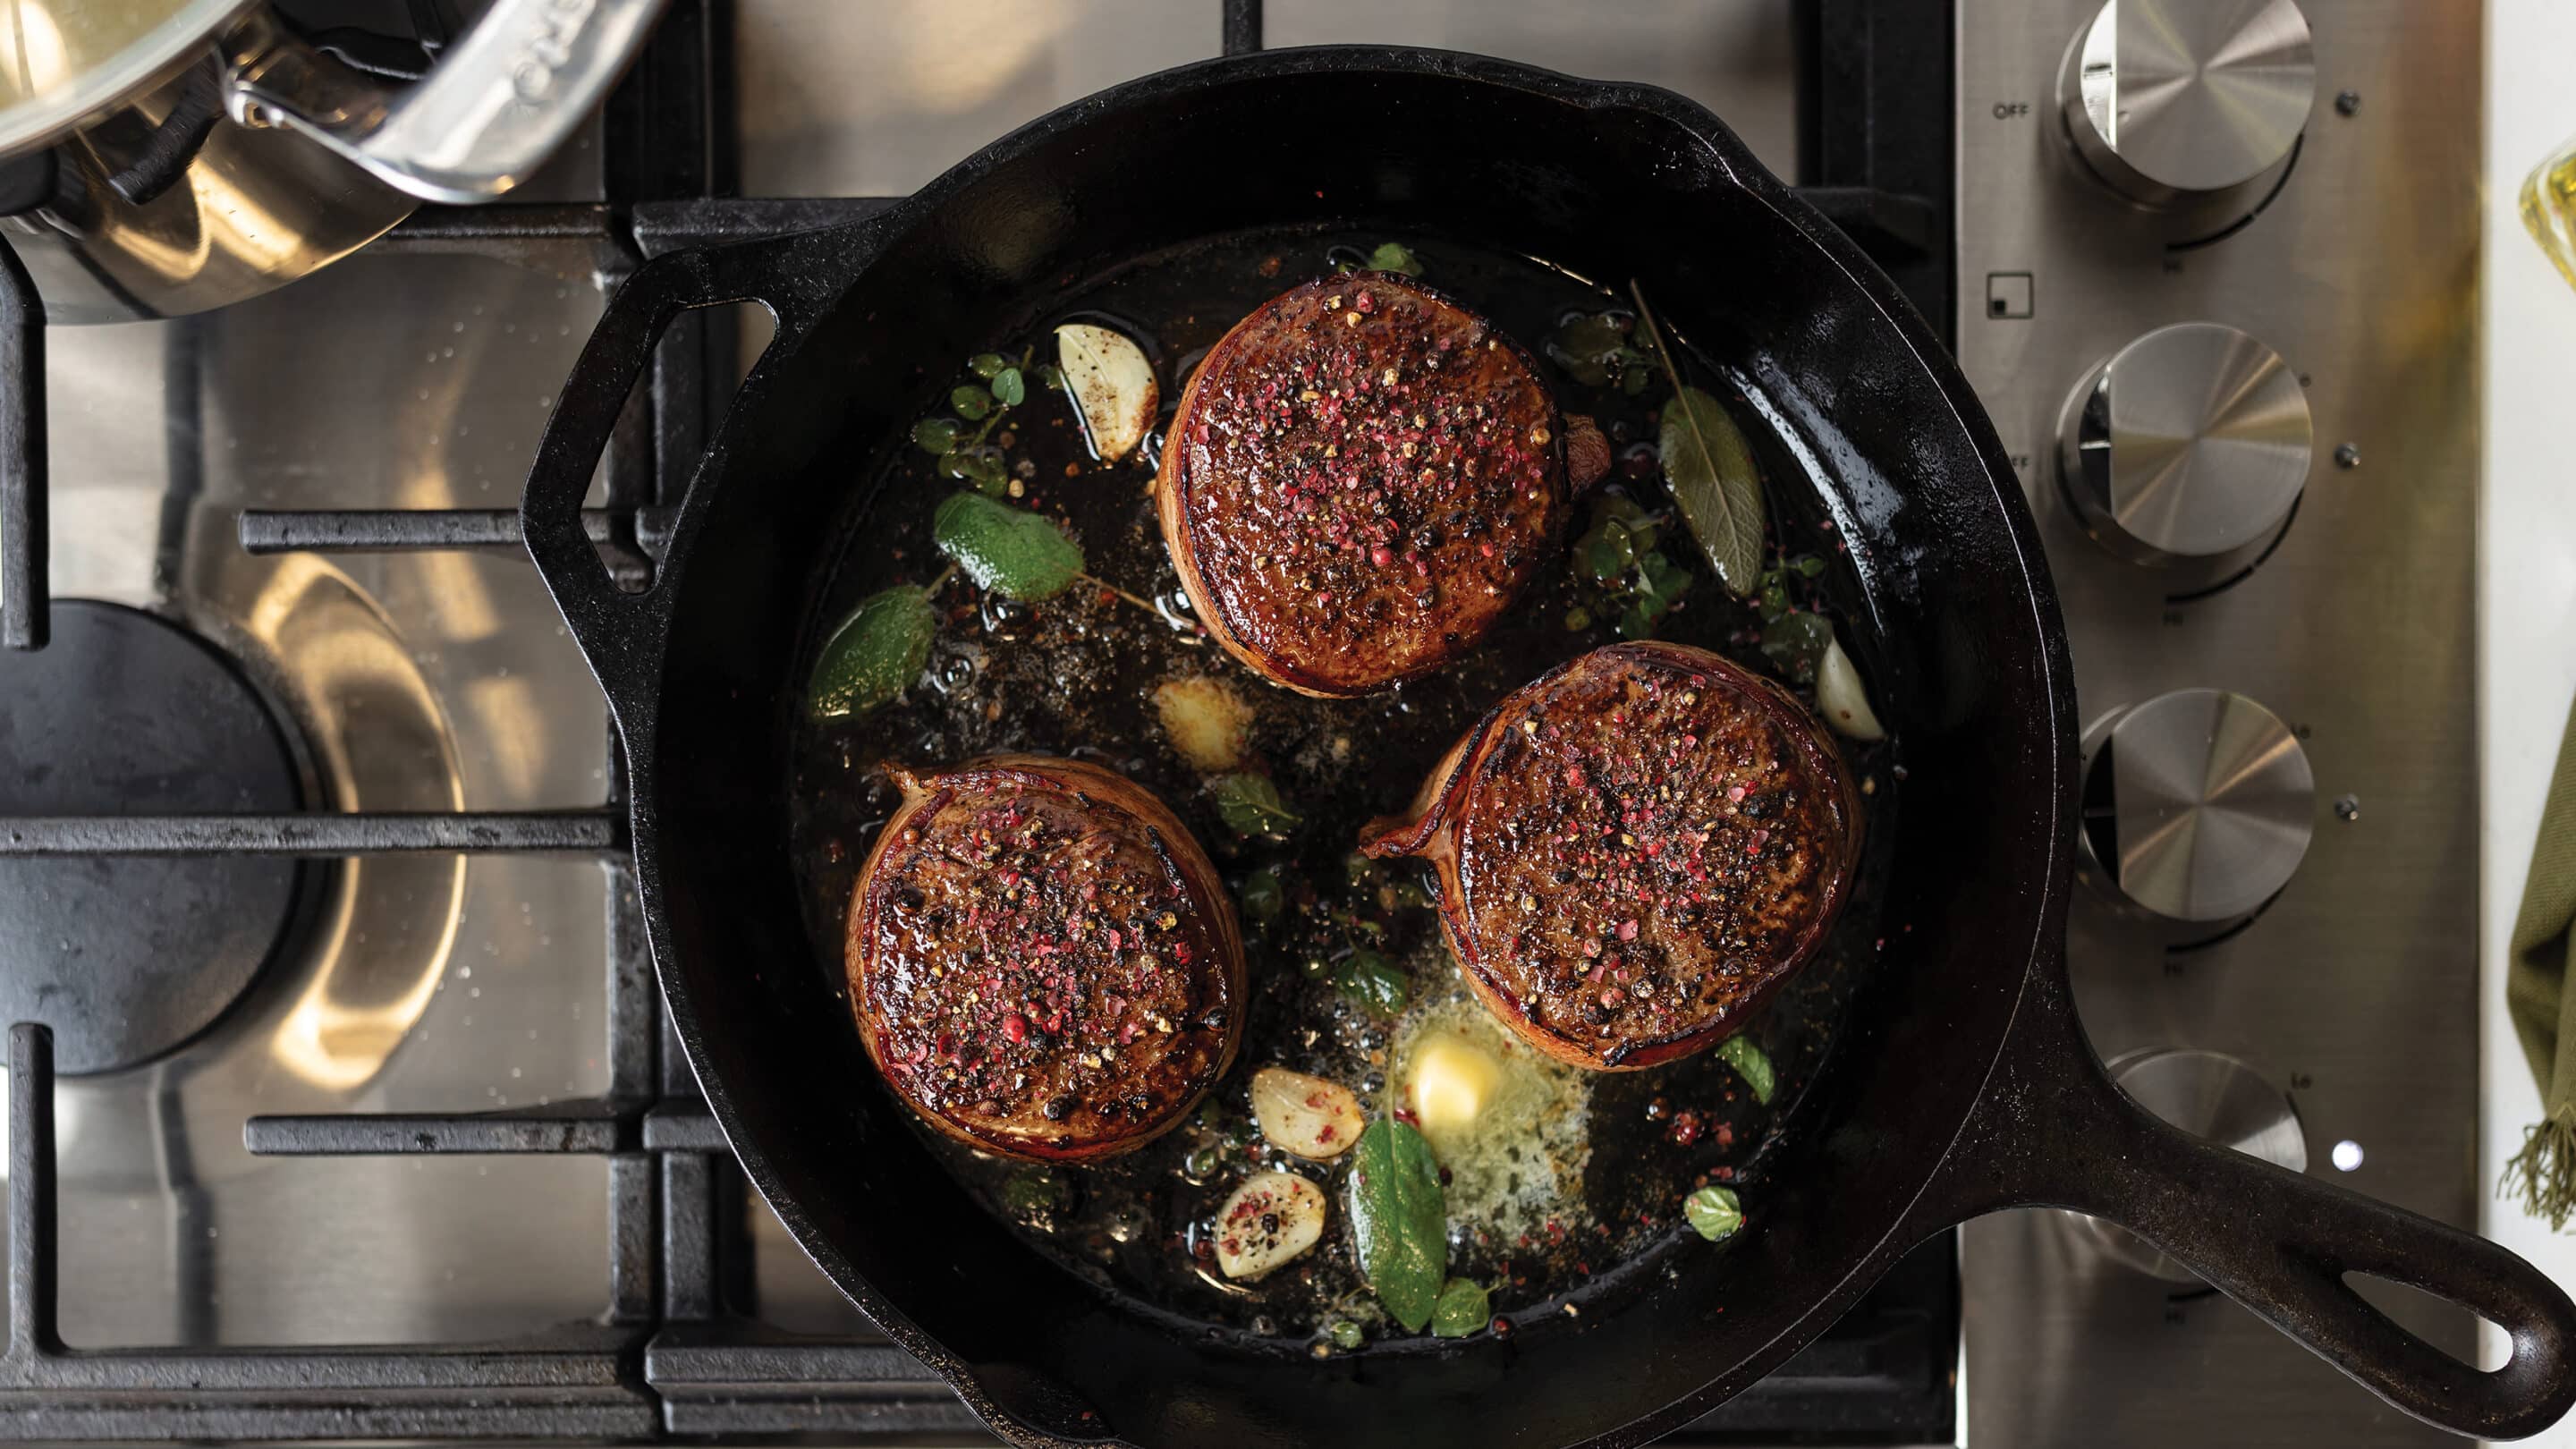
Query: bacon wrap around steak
(1042, 961)
(1361, 479)
(1634, 851)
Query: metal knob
(2213, 1096)
(2190, 442)
(2197, 804)
(2168, 100)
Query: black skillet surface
(1961, 1082)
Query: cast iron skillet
(1961, 1084)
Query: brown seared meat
(1634, 851)
(1042, 960)
(1361, 478)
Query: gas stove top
(356, 1118)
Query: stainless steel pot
(197, 152)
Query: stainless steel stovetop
(416, 377)
(2320, 1001)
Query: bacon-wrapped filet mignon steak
(1634, 851)
(1361, 478)
(1042, 960)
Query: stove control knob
(2212, 1096)
(2197, 805)
(2191, 442)
(2168, 101)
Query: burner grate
(672, 1353)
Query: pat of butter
(1452, 1082)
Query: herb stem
(1654, 334)
(1148, 605)
(935, 585)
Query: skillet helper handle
(496, 105)
(620, 633)
(2053, 1130)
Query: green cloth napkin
(2543, 1173)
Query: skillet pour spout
(1961, 1083)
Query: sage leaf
(1740, 1053)
(1796, 644)
(1393, 257)
(1399, 1220)
(1464, 1308)
(1714, 1213)
(1250, 805)
(1009, 550)
(1262, 896)
(875, 655)
(1370, 980)
(1710, 470)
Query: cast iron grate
(677, 1350)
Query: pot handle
(2053, 1130)
(498, 103)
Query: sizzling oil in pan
(1589, 1190)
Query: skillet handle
(2053, 1130)
(621, 634)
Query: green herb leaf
(875, 655)
(1250, 805)
(987, 365)
(1344, 1333)
(984, 470)
(1050, 377)
(971, 401)
(1795, 643)
(1009, 389)
(934, 435)
(1008, 550)
(1578, 619)
(1740, 1053)
(1635, 623)
(1709, 468)
(1607, 550)
(1371, 980)
(1807, 565)
(1660, 584)
(1399, 1220)
(1464, 1308)
(1262, 897)
(1714, 1212)
(1392, 257)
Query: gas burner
(126, 958)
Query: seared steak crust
(1360, 479)
(1042, 960)
(1635, 850)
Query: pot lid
(64, 61)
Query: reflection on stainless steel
(2211, 1095)
(2357, 988)
(64, 60)
(414, 983)
(2168, 97)
(2198, 804)
(248, 211)
(2191, 442)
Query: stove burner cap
(128, 957)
